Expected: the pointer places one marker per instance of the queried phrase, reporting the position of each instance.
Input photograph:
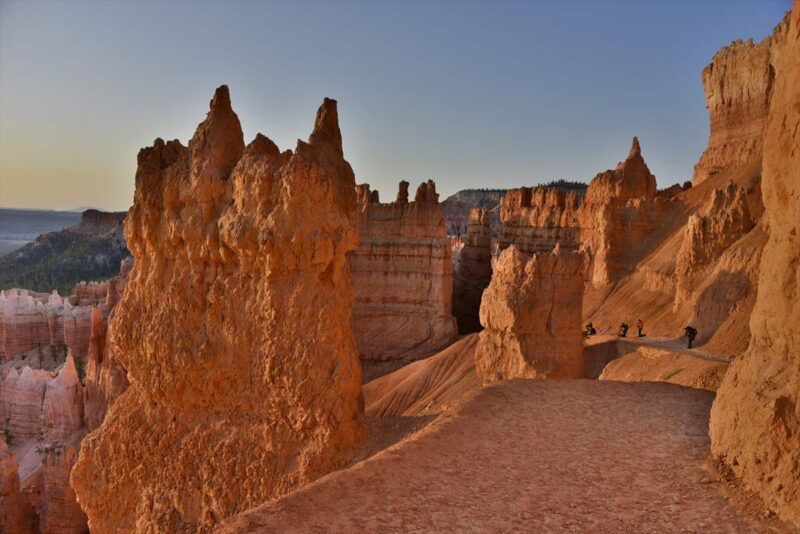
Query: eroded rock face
(30, 320)
(234, 329)
(474, 271)
(755, 420)
(21, 399)
(16, 516)
(616, 217)
(42, 412)
(60, 513)
(738, 84)
(725, 219)
(45, 409)
(531, 314)
(106, 379)
(537, 219)
(26, 318)
(403, 275)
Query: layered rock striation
(738, 85)
(531, 314)
(30, 320)
(537, 219)
(403, 275)
(755, 420)
(234, 330)
(474, 271)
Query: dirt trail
(666, 343)
(531, 456)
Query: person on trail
(640, 327)
(623, 330)
(590, 330)
(690, 333)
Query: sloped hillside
(89, 250)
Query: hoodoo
(403, 275)
(616, 217)
(234, 330)
(755, 420)
(531, 314)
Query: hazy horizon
(472, 95)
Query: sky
(470, 94)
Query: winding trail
(531, 456)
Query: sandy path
(530, 456)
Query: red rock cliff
(234, 329)
(402, 273)
(755, 420)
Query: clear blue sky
(471, 94)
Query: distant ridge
(89, 249)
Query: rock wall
(531, 314)
(474, 271)
(403, 275)
(617, 215)
(536, 219)
(755, 420)
(16, 515)
(724, 220)
(106, 379)
(738, 84)
(234, 329)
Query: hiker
(590, 330)
(640, 327)
(623, 330)
(690, 333)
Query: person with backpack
(690, 333)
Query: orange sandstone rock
(724, 220)
(616, 217)
(537, 219)
(738, 84)
(234, 329)
(16, 516)
(755, 420)
(531, 314)
(403, 276)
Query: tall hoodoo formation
(403, 275)
(755, 420)
(531, 314)
(738, 84)
(616, 216)
(234, 329)
(474, 271)
(536, 219)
